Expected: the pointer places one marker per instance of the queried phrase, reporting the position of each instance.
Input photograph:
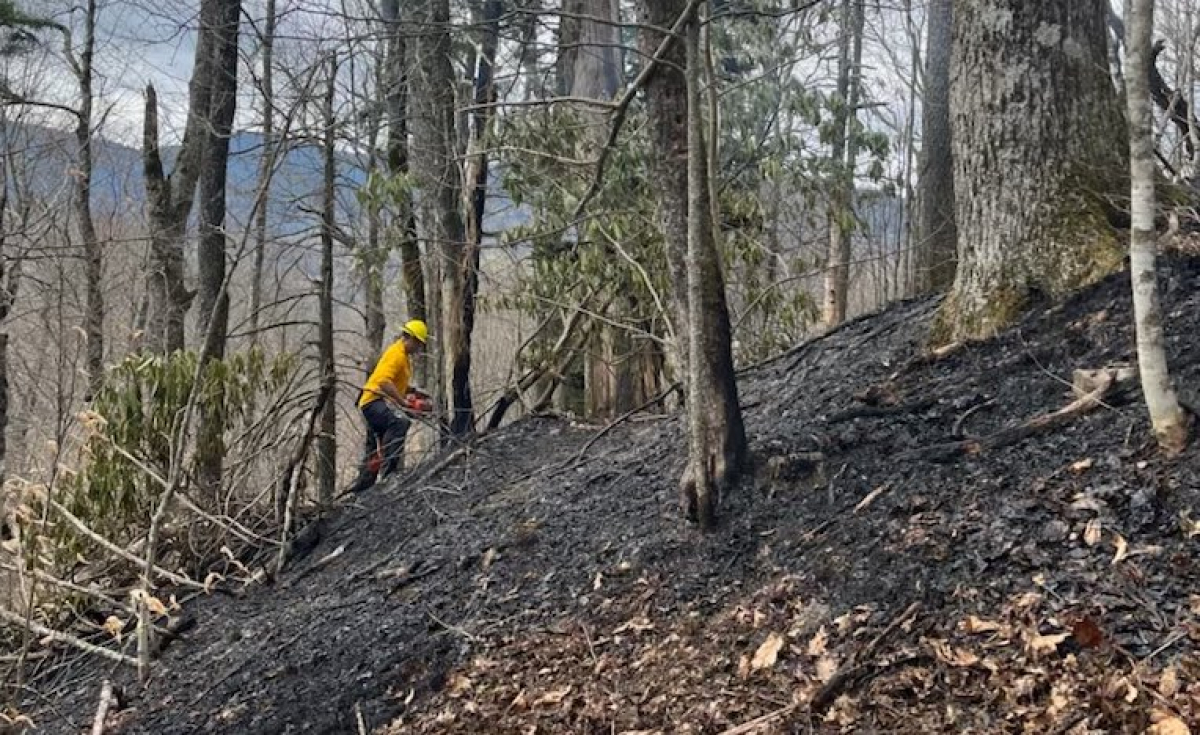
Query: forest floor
(898, 562)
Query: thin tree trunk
(92, 255)
(462, 421)
(327, 441)
(1169, 421)
(375, 257)
(214, 302)
(938, 249)
(404, 223)
(264, 171)
(716, 436)
(843, 152)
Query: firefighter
(382, 403)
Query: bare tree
(937, 234)
(1169, 421)
(264, 169)
(327, 442)
(843, 153)
(219, 19)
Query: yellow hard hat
(416, 329)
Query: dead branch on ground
(38, 629)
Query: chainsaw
(417, 402)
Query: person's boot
(364, 481)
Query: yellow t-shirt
(392, 367)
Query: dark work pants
(388, 427)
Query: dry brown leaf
(155, 605)
(1190, 527)
(974, 624)
(1168, 683)
(1166, 723)
(1122, 548)
(744, 667)
(826, 669)
(520, 701)
(1194, 604)
(555, 696)
(459, 683)
(952, 656)
(114, 625)
(1091, 534)
(1082, 465)
(1039, 644)
(1087, 633)
(1027, 600)
(816, 647)
(767, 653)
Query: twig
(106, 700)
(118, 551)
(958, 423)
(591, 647)
(851, 669)
(358, 716)
(70, 640)
(452, 628)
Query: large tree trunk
(843, 154)
(666, 106)
(92, 255)
(1038, 148)
(437, 177)
(223, 17)
(716, 435)
(327, 441)
(1169, 421)
(266, 162)
(938, 235)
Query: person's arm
(388, 389)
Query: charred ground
(542, 581)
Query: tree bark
(666, 106)
(438, 178)
(1038, 153)
(92, 255)
(1168, 419)
(716, 435)
(327, 441)
(224, 16)
(938, 234)
(264, 171)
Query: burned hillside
(928, 542)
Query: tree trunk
(92, 255)
(327, 441)
(1037, 151)
(437, 177)
(843, 153)
(716, 435)
(404, 223)
(938, 235)
(375, 255)
(1168, 419)
(666, 106)
(266, 161)
(224, 16)
(462, 422)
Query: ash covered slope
(860, 584)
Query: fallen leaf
(1086, 633)
(826, 668)
(637, 625)
(459, 683)
(1086, 502)
(1082, 465)
(1091, 534)
(1039, 644)
(744, 667)
(977, 625)
(520, 701)
(816, 647)
(554, 697)
(1167, 724)
(952, 656)
(1194, 604)
(1168, 683)
(1027, 600)
(1122, 548)
(113, 626)
(1190, 528)
(767, 653)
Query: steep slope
(542, 581)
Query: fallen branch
(106, 702)
(65, 638)
(852, 670)
(1013, 434)
(868, 412)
